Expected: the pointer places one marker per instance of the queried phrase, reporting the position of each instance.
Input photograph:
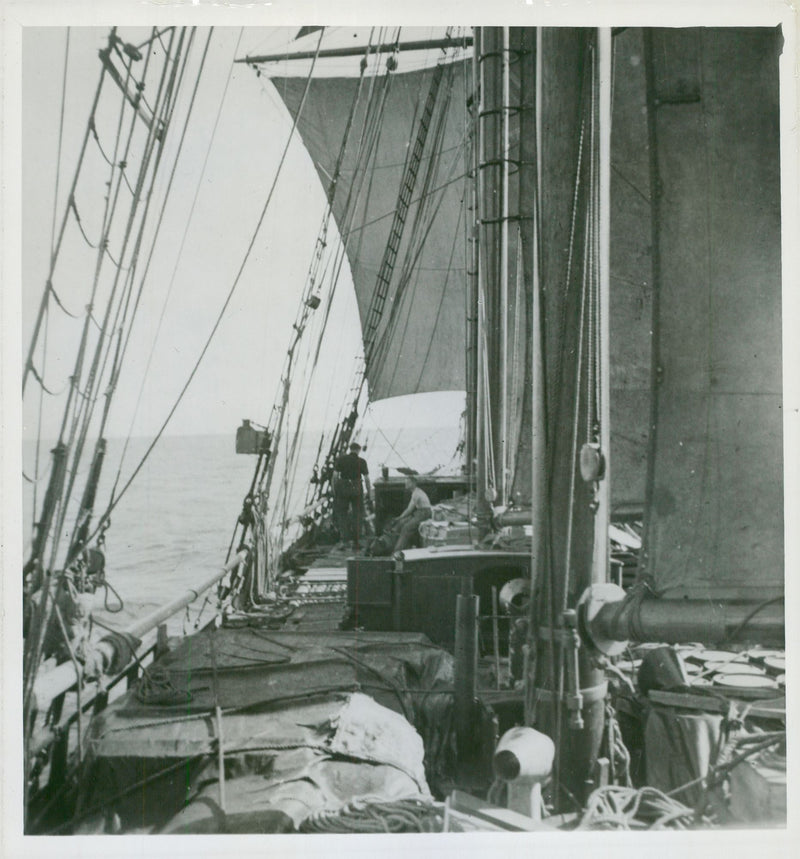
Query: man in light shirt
(418, 510)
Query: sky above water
(240, 372)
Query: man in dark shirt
(348, 498)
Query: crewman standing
(348, 496)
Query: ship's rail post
(465, 668)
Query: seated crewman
(418, 510)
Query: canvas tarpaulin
(280, 766)
(280, 692)
(248, 666)
(680, 747)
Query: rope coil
(403, 815)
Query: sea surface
(173, 526)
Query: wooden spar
(491, 169)
(492, 220)
(483, 512)
(472, 257)
(134, 99)
(600, 556)
(585, 699)
(388, 48)
(566, 689)
(50, 685)
(530, 201)
(503, 475)
(151, 621)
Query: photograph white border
(16, 16)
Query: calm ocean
(173, 526)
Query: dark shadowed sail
(716, 506)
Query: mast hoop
(504, 110)
(514, 54)
(508, 219)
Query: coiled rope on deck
(617, 807)
(402, 815)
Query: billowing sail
(420, 327)
(716, 495)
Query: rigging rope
(155, 140)
(42, 385)
(39, 415)
(79, 359)
(110, 208)
(220, 315)
(121, 352)
(339, 443)
(60, 141)
(616, 807)
(279, 410)
(400, 815)
(55, 252)
(43, 612)
(74, 207)
(60, 303)
(182, 244)
(365, 160)
(125, 297)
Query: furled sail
(420, 335)
(716, 492)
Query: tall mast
(492, 59)
(503, 369)
(567, 691)
(472, 258)
(483, 511)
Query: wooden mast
(566, 690)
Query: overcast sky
(240, 372)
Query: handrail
(43, 741)
(46, 737)
(62, 678)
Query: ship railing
(51, 745)
(51, 684)
(51, 742)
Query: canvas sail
(630, 263)
(716, 491)
(423, 326)
(631, 276)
